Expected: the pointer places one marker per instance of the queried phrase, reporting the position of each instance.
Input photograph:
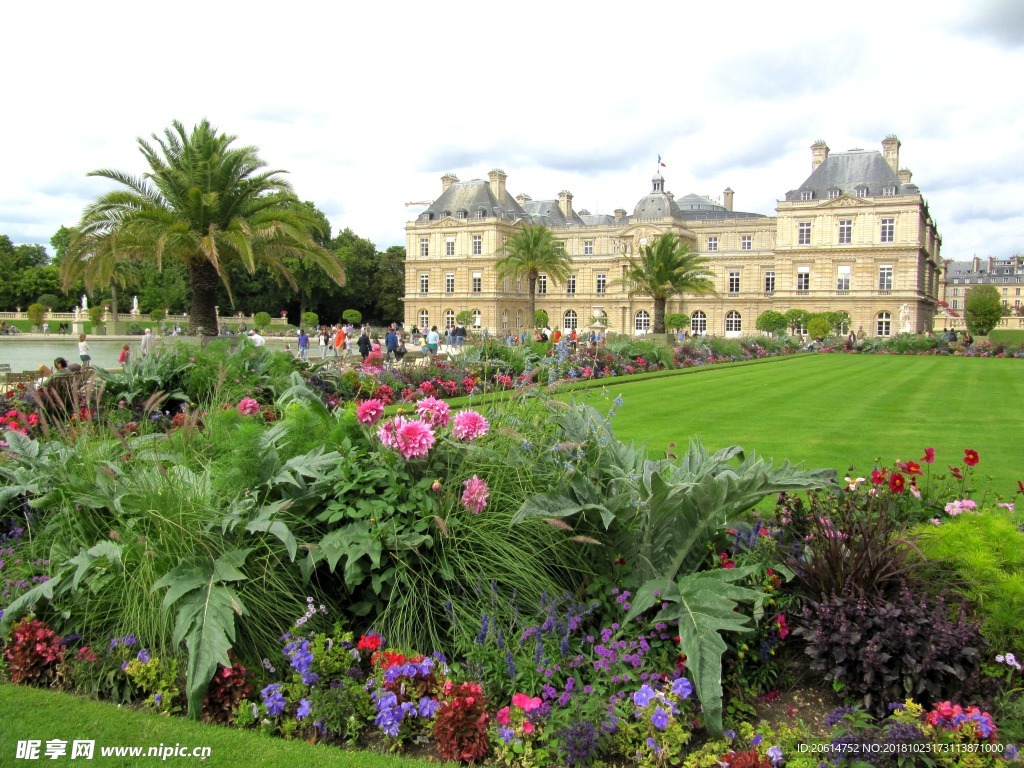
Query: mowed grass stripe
(839, 411)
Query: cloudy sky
(366, 107)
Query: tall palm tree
(664, 269)
(530, 252)
(204, 203)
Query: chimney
(976, 265)
(565, 203)
(891, 151)
(522, 198)
(620, 213)
(497, 179)
(728, 193)
(991, 265)
(905, 176)
(447, 180)
(819, 153)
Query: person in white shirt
(256, 339)
(147, 341)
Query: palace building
(855, 236)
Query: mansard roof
(549, 213)
(848, 173)
(469, 198)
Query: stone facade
(855, 236)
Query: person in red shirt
(339, 342)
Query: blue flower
(506, 734)
(682, 688)
(775, 755)
(660, 719)
(758, 738)
(305, 708)
(273, 699)
(644, 696)
(143, 655)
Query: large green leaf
(703, 605)
(206, 616)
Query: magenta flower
(370, 411)
(248, 407)
(386, 431)
(474, 498)
(433, 411)
(469, 425)
(413, 439)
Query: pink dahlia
(474, 498)
(414, 439)
(386, 431)
(370, 411)
(433, 411)
(248, 407)
(469, 425)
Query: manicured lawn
(839, 410)
(31, 713)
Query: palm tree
(204, 203)
(532, 251)
(665, 269)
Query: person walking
(303, 345)
(123, 357)
(364, 344)
(147, 341)
(339, 342)
(391, 342)
(84, 352)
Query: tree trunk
(659, 315)
(204, 283)
(531, 319)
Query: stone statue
(85, 303)
(905, 318)
(135, 305)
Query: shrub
(461, 723)
(33, 652)
(156, 315)
(36, 313)
(882, 649)
(310, 320)
(226, 691)
(353, 316)
(261, 320)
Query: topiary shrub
(261, 320)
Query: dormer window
(889, 191)
(862, 191)
(462, 213)
(806, 195)
(833, 194)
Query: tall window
(588, 247)
(712, 244)
(504, 319)
(519, 284)
(477, 318)
(449, 246)
(478, 245)
(862, 191)
(477, 282)
(570, 285)
(449, 318)
(889, 191)
(449, 282)
(542, 284)
(424, 319)
(803, 233)
(746, 242)
(504, 250)
(733, 322)
(519, 318)
(698, 322)
(885, 277)
(734, 282)
(642, 321)
(803, 278)
(769, 281)
(570, 320)
(883, 324)
(602, 282)
(424, 246)
(845, 231)
(888, 234)
(843, 277)
(424, 283)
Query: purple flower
(143, 656)
(273, 699)
(775, 755)
(644, 696)
(305, 708)
(659, 719)
(756, 741)
(682, 688)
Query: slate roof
(850, 171)
(549, 213)
(471, 197)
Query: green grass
(31, 713)
(1006, 336)
(839, 411)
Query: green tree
(540, 318)
(204, 203)
(36, 313)
(796, 318)
(533, 251)
(818, 326)
(982, 309)
(261, 320)
(772, 322)
(465, 317)
(353, 316)
(677, 320)
(310, 320)
(664, 269)
(391, 284)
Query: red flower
(929, 455)
(897, 483)
(725, 561)
(970, 457)
(956, 472)
(912, 468)
(878, 476)
(370, 642)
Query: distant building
(855, 236)
(1007, 275)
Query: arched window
(642, 321)
(476, 318)
(570, 320)
(733, 322)
(883, 324)
(504, 319)
(519, 319)
(698, 322)
(424, 319)
(449, 318)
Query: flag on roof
(661, 164)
